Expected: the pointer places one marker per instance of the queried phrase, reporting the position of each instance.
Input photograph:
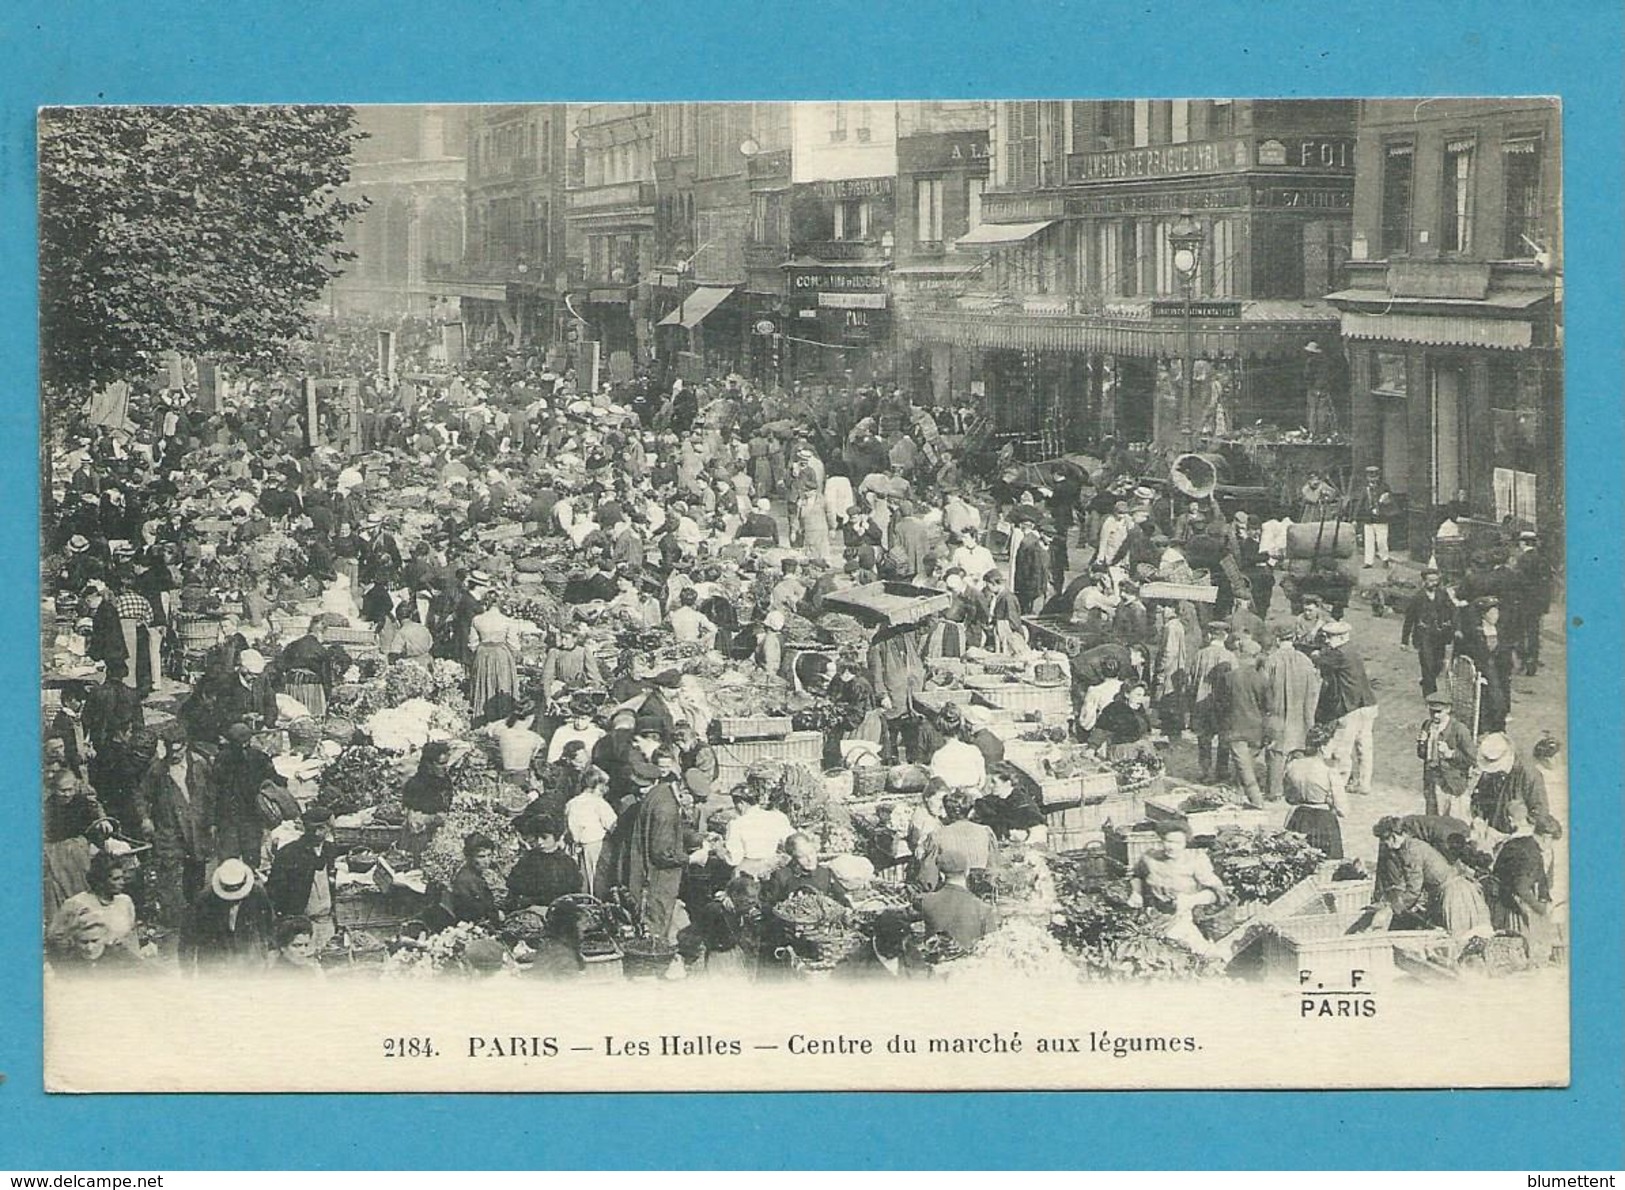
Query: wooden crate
(1073, 827)
(1062, 791)
(1320, 896)
(375, 910)
(1194, 592)
(1126, 844)
(1161, 805)
(354, 637)
(754, 727)
(1019, 696)
(1285, 951)
(889, 602)
(735, 757)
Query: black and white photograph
(789, 595)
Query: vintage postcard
(828, 595)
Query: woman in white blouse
(494, 676)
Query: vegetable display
(1263, 863)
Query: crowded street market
(406, 660)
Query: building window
(837, 131)
(1222, 255)
(1521, 165)
(1398, 175)
(1142, 123)
(852, 219)
(864, 132)
(1458, 196)
(1108, 278)
(1181, 131)
(973, 202)
(1221, 119)
(928, 211)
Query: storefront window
(973, 202)
(1388, 374)
(928, 211)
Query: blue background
(165, 52)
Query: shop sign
(1299, 198)
(852, 301)
(837, 281)
(853, 187)
(1158, 161)
(942, 150)
(1309, 152)
(1198, 309)
(1156, 202)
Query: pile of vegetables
(1135, 772)
(1207, 799)
(408, 726)
(543, 609)
(433, 680)
(444, 952)
(1112, 939)
(444, 855)
(804, 798)
(1261, 864)
(360, 777)
(1018, 949)
(1045, 735)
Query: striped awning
(1507, 334)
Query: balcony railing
(615, 196)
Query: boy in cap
(303, 876)
(1447, 750)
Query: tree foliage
(206, 230)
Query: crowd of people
(695, 516)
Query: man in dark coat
(176, 811)
(303, 875)
(1429, 627)
(1346, 698)
(1533, 582)
(111, 705)
(655, 857)
(1032, 576)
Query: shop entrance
(1448, 394)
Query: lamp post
(1187, 240)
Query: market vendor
(1503, 777)
(1010, 810)
(1174, 877)
(306, 669)
(654, 857)
(469, 896)
(970, 841)
(755, 838)
(1123, 728)
(426, 797)
(958, 763)
(803, 872)
(545, 871)
(1447, 749)
(1416, 885)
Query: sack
(276, 806)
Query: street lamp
(1187, 239)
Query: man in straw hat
(1500, 778)
(231, 921)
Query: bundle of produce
(444, 855)
(544, 609)
(1135, 772)
(806, 910)
(1017, 948)
(404, 728)
(842, 629)
(823, 715)
(1263, 863)
(1207, 799)
(357, 700)
(805, 800)
(1045, 735)
(362, 776)
(527, 925)
(436, 680)
(267, 553)
(1018, 874)
(462, 948)
(1065, 760)
(476, 772)
(798, 630)
(1351, 869)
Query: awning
(1118, 335)
(691, 311)
(1511, 299)
(1003, 233)
(1431, 330)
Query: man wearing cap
(1346, 699)
(175, 809)
(303, 875)
(1374, 510)
(1114, 529)
(240, 770)
(655, 855)
(1429, 627)
(1307, 626)
(1447, 750)
(1031, 578)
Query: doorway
(1448, 394)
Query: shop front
(839, 324)
(1456, 401)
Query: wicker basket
(868, 780)
(1049, 673)
(370, 838)
(352, 637)
(1019, 696)
(197, 634)
(645, 958)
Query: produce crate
(370, 838)
(1320, 896)
(1285, 948)
(1208, 822)
(197, 633)
(1195, 592)
(363, 637)
(1126, 844)
(1057, 792)
(754, 727)
(377, 910)
(1074, 827)
(799, 747)
(889, 602)
(1018, 696)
